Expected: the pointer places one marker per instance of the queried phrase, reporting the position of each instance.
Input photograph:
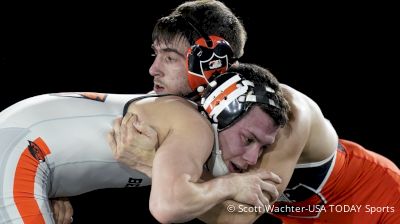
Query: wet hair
(263, 77)
(209, 16)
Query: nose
(251, 155)
(154, 69)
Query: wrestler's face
(243, 142)
(169, 67)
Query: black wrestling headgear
(229, 96)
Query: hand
(133, 143)
(256, 188)
(62, 210)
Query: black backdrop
(342, 56)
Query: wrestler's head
(248, 107)
(174, 35)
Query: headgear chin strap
(215, 163)
(229, 97)
(204, 61)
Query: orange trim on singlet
(24, 182)
(220, 97)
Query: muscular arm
(186, 140)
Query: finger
(259, 203)
(111, 142)
(263, 198)
(124, 123)
(137, 124)
(132, 121)
(117, 127)
(126, 118)
(61, 212)
(69, 212)
(263, 174)
(117, 124)
(146, 130)
(271, 191)
(56, 209)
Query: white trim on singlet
(315, 164)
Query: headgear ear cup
(204, 61)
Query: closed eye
(247, 140)
(264, 148)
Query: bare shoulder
(293, 137)
(301, 106)
(169, 112)
(162, 104)
(308, 120)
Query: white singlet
(56, 145)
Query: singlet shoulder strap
(140, 98)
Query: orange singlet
(355, 185)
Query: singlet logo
(134, 182)
(215, 64)
(86, 95)
(36, 151)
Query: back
(74, 128)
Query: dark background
(345, 57)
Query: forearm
(225, 213)
(186, 200)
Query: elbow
(173, 205)
(165, 212)
(160, 212)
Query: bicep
(185, 139)
(182, 154)
(285, 153)
(282, 161)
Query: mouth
(233, 168)
(158, 88)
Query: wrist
(227, 186)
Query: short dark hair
(263, 77)
(210, 16)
